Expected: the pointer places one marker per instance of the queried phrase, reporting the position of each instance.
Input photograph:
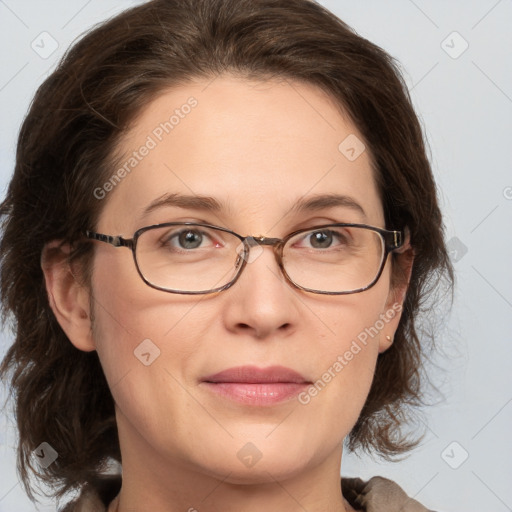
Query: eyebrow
(324, 201)
(210, 204)
(191, 202)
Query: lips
(255, 375)
(255, 386)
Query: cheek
(147, 342)
(346, 353)
(137, 328)
(345, 366)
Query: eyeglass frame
(392, 241)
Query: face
(257, 148)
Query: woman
(265, 169)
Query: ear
(68, 297)
(401, 276)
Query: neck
(115, 506)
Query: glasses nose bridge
(263, 240)
(275, 243)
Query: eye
(325, 238)
(187, 239)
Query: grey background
(464, 99)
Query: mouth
(255, 386)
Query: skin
(257, 147)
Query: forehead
(256, 147)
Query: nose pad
(240, 251)
(239, 260)
(253, 252)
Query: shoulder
(378, 495)
(96, 496)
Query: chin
(263, 472)
(254, 460)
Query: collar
(378, 495)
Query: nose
(261, 303)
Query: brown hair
(66, 149)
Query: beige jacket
(377, 495)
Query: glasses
(195, 258)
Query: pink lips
(251, 385)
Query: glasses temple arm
(116, 241)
